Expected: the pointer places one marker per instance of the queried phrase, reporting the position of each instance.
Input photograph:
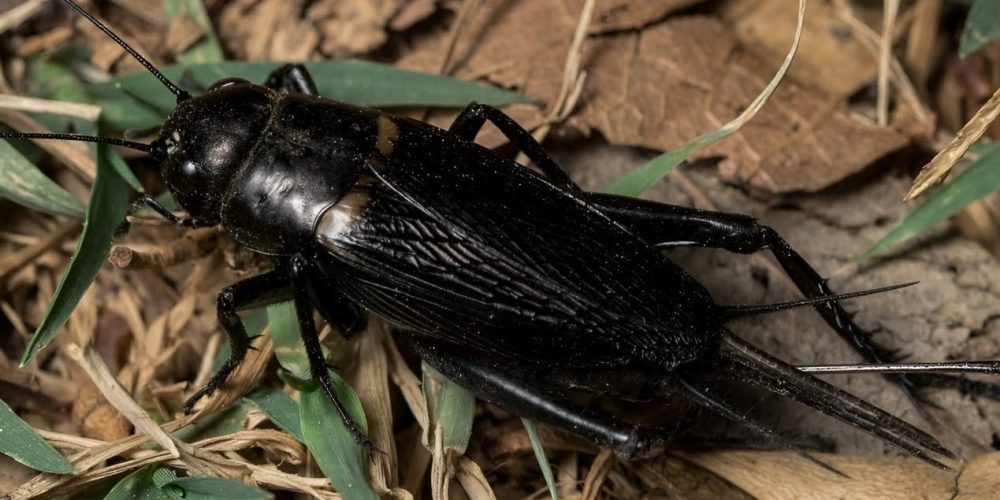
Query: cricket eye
(226, 82)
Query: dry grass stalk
(597, 474)
(371, 382)
(464, 15)
(898, 76)
(195, 244)
(884, 60)
(573, 77)
(941, 165)
(119, 398)
(87, 112)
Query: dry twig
(941, 165)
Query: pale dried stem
(193, 245)
(68, 441)
(597, 474)
(116, 395)
(87, 112)
(371, 381)
(941, 165)
(468, 9)
(899, 78)
(87, 460)
(884, 60)
(573, 78)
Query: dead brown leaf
(182, 33)
(267, 30)
(619, 15)
(673, 81)
(830, 56)
(353, 27)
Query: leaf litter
(659, 73)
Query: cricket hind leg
(268, 288)
(509, 385)
(292, 79)
(300, 271)
(471, 120)
(666, 226)
(347, 317)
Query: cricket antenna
(111, 141)
(182, 95)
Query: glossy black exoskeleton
(517, 285)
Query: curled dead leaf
(673, 81)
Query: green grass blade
(208, 50)
(280, 408)
(336, 452)
(543, 461)
(106, 209)
(979, 179)
(355, 82)
(163, 476)
(288, 346)
(319, 427)
(20, 442)
(22, 183)
(216, 488)
(450, 406)
(139, 485)
(220, 423)
(640, 179)
(981, 26)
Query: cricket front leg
(268, 288)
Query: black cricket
(517, 285)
